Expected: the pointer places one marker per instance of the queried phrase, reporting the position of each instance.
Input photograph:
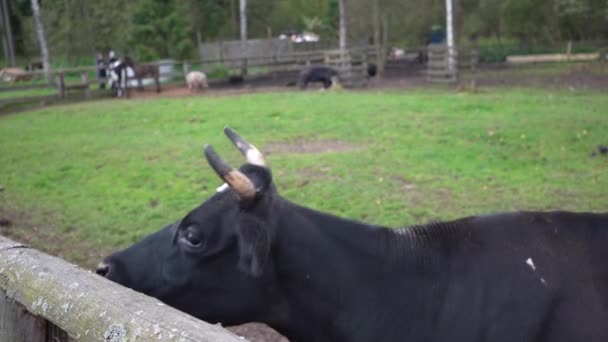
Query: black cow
(323, 74)
(236, 79)
(248, 254)
(372, 70)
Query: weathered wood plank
(91, 308)
(17, 324)
(556, 57)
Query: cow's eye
(191, 238)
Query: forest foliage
(152, 29)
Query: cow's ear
(260, 176)
(254, 245)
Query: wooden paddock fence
(438, 65)
(351, 64)
(59, 88)
(46, 299)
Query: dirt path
(173, 90)
(575, 76)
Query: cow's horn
(253, 155)
(237, 180)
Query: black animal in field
(313, 74)
(372, 70)
(247, 254)
(236, 79)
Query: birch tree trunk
(5, 48)
(9, 34)
(342, 8)
(450, 36)
(243, 13)
(46, 62)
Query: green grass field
(85, 179)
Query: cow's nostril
(102, 269)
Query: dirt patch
(309, 174)
(585, 76)
(579, 76)
(177, 91)
(310, 146)
(404, 183)
(402, 76)
(314, 173)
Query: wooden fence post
(85, 81)
(474, 61)
(127, 88)
(61, 85)
(186, 68)
(18, 324)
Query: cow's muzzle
(102, 269)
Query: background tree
(75, 29)
(46, 58)
(342, 7)
(243, 17)
(332, 18)
(7, 32)
(164, 28)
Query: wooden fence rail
(44, 298)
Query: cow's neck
(333, 271)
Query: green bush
(219, 72)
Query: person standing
(101, 70)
